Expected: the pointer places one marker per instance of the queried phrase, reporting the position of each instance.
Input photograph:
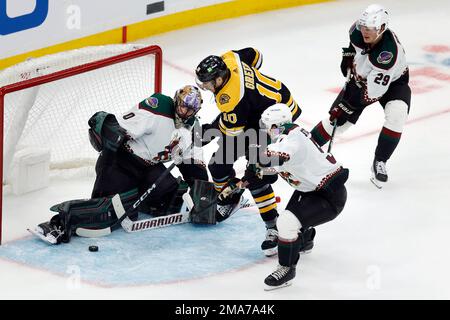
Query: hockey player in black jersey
(242, 93)
(132, 148)
(379, 72)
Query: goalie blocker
(203, 198)
(208, 208)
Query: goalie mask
(188, 101)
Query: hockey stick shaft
(91, 233)
(330, 144)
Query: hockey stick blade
(159, 222)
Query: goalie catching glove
(105, 132)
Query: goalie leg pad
(203, 194)
(94, 213)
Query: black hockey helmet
(211, 68)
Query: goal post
(48, 100)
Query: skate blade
(377, 183)
(271, 252)
(306, 251)
(270, 288)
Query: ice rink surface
(386, 244)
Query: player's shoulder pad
(356, 37)
(159, 104)
(231, 94)
(250, 56)
(384, 54)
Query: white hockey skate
(379, 174)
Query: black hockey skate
(380, 176)
(270, 244)
(308, 240)
(280, 278)
(49, 232)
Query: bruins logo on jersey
(224, 98)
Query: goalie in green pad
(72, 214)
(133, 148)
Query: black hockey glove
(253, 173)
(341, 111)
(230, 191)
(348, 54)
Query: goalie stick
(154, 223)
(135, 226)
(123, 214)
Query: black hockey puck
(93, 248)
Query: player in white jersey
(318, 180)
(379, 72)
(133, 147)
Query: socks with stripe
(320, 135)
(387, 142)
(267, 204)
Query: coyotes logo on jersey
(289, 178)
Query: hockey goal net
(46, 102)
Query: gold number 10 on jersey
(230, 117)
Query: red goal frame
(150, 50)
